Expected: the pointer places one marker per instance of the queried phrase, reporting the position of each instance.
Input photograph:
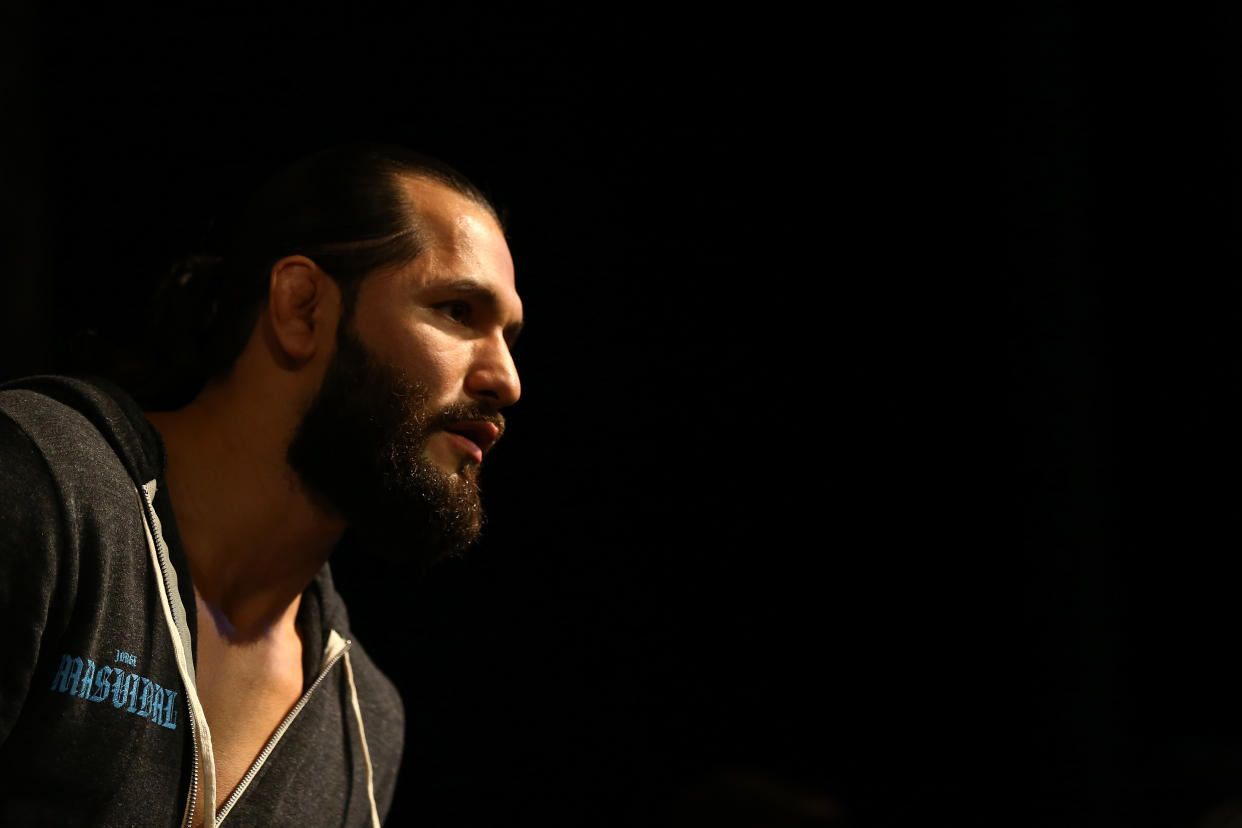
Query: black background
(1122, 159)
(832, 467)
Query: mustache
(466, 412)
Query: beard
(360, 450)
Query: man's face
(410, 401)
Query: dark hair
(343, 208)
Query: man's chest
(246, 690)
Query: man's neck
(253, 536)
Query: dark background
(1122, 160)
(835, 474)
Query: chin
(368, 446)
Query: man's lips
(474, 437)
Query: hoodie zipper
(191, 806)
(279, 732)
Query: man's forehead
(434, 202)
(446, 216)
(464, 246)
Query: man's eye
(456, 310)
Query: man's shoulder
(382, 711)
(66, 465)
(80, 425)
(42, 418)
(43, 438)
(374, 685)
(371, 680)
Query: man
(175, 649)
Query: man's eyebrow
(484, 294)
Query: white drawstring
(185, 666)
(362, 734)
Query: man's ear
(303, 307)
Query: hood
(113, 412)
(138, 445)
(141, 449)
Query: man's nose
(494, 376)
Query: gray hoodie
(99, 720)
